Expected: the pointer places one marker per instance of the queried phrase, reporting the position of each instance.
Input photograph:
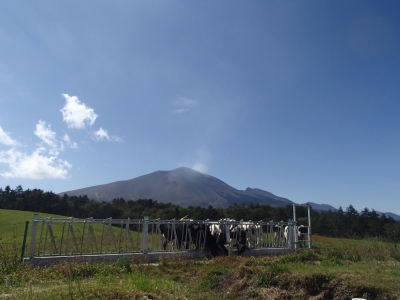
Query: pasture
(12, 224)
(334, 269)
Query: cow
(253, 233)
(177, 234)
(204, 235)
(220, 232)
(210, 236)
(237, 237)
(286, 234)
(302, 232)
(217, 236)
(278, 234)
(197, 234)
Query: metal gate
(78, 237)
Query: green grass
(300, 275)
(12, 224)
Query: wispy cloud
(200, 167)
(38, 165)
(44, 132)
(70, 144)
(76, 114)
(5, 139)
(203, 158)
(183, 105)
(101, 134)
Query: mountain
(316, 206)
(182, 186)
(389, 214)
(322, 207)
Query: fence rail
(74, 236)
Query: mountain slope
(316, 206)
(182, 186)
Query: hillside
(182, 186)
(12, 224)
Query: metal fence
(74, 237)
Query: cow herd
(223, 237)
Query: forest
(348, 223)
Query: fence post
(33, 236)
(24, 241)
(145, 232)
(294, 212)
(295, 229)
(309, 228)
(228, 236)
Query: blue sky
(299, 98)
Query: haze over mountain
(182, 186)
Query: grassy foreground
(334, 269)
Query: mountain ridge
(182, 186)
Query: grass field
(334, 269)
(12, 224)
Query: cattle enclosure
(65, 239)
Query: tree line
(339, 223)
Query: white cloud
(44, 162)
(101, 134)
(44, 132)
(200, 167)
(71, 144)
(34, 166)
(183, 105)
(76, 114)
(5, 139)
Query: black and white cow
(278, 232)
(239, 239)
(236, 234)
(175, 233)
(286, 234)
(202, 235)
(205, 236)
(197, 234)
(302, 232)
(253, 233)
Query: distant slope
(182, 186)
(389, 214)
(12, 224)
(324, 207)
(316, 206)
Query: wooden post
(24, 241)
